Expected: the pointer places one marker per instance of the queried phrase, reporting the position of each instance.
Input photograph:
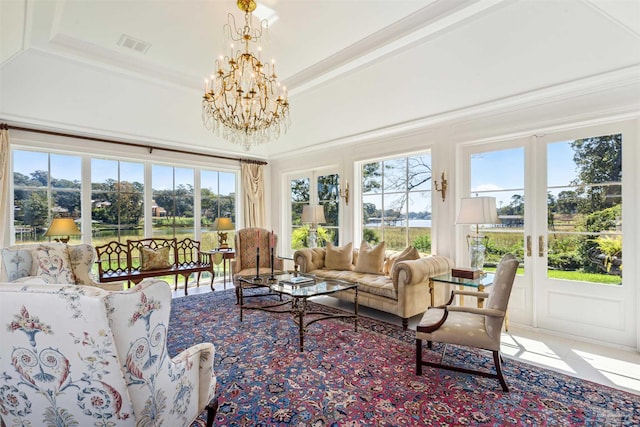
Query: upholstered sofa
(52, 263)
(398, 286)
(82, 356)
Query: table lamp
(313, 215)
(64, 227)
(477, 210)
(220, 225)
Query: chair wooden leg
(496, 359)
(212, 408)
(418, 357)
(430, 345)
(405, 323)
(186, 282)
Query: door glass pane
(584, 209)
(329, 197)
(299, 197)
(500, 174)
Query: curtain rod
(129, 144)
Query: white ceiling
(351, 67)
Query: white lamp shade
(478, 210)
(313, 214)
(221, 224)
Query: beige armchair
(470, 326)
(247, 242)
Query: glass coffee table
(299, 295)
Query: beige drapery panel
(4, 190)
(253, 194)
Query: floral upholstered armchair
(53, 263)
(79, 355)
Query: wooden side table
(227, 256)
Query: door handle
(528, 245)
(541, 246)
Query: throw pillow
(53, 264)
(154, 259)
(81, 257)
(370, 259)
(409, 253)
(17, 263)
(339, 257)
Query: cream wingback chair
(51, 262)
(79, 355)
(247, 240)
(470, 326)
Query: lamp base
(313, 238)
(476, 254)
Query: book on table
(466, 273)
(300, 281)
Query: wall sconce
(443, 186)
(345, 193)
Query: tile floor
(609, 366)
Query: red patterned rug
(367, 378)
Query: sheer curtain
(5, 197)
(253, 194)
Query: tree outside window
(396, 202)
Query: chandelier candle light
(477, 210)
(244, 96)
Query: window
(217, 200)
(172, 205)
(45, 186)
(325, 192)
(48, 185)
(396, 202)
(584, 209)
(117, 200)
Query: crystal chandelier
(244, 98)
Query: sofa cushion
(339, 257)
(409, 253)
(376, 284)
(154, 259)
(17, 263)
(370, 259)
(53, 264)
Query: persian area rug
(367, 378)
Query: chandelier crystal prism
(243, 99)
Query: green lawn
(605, 279)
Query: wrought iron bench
(123, 261)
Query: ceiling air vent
(133, 44)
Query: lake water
(412, 223)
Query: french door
(314, 188)
(560, 201)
